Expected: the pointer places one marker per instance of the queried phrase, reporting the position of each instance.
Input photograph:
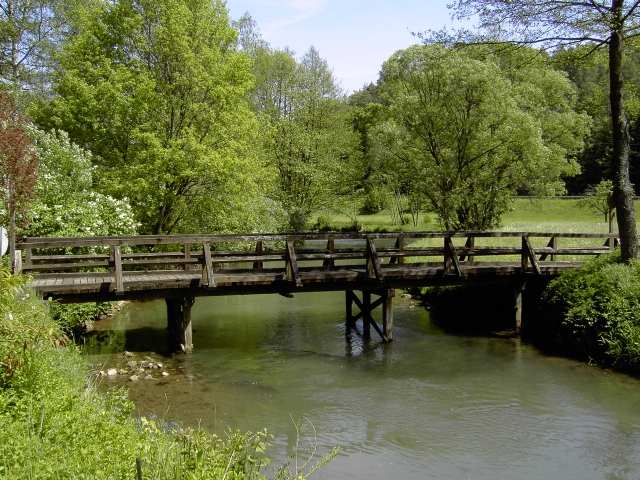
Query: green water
(430, 405)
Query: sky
(355, 36)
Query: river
(429, 405)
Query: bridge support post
(519, 293)
(366, 313)
(179, 324)
(387, 314)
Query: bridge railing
(208, 257)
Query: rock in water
(165, 374)
(112, 372)
(134, 378)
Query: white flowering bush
(66, 204)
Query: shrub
(594, 312)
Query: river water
(430, 405)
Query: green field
(533, 215)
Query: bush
(55, 424)
(594, 312)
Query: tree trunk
(622, 188)
(11, 233)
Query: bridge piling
(179, 323)
(518, 307)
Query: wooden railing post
(16, 268)
(400, 243)
(292, 272)
(529, 255)
(207, 279)
(118, 280)
(329, 263)
(374, 269)
(470, 243)
(451, 257)
(187, 256)
(258, 265)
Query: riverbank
(54, 423)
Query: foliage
(594, 312)
(464, 134)
(157, 91)
(55, 424)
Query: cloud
(295, 11)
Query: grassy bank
(55, 424)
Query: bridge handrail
(139, 240)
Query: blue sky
(355, 36)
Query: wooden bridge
(180, 268)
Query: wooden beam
(374, 269)
(117, 269)
(292, 271)
(207, 279)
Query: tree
(18, 167)
(464, 136)
(30, 31)
(157, 90)
(312, 143)
(600, 200)
(556, 23)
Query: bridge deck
(79, 286)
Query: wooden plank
(207, 279)
(292, 271)
(117, 269)
(374, 269)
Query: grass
(527, 214)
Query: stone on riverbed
(112, 372)
(134, 378)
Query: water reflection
(429, 405)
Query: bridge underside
(98, 287)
